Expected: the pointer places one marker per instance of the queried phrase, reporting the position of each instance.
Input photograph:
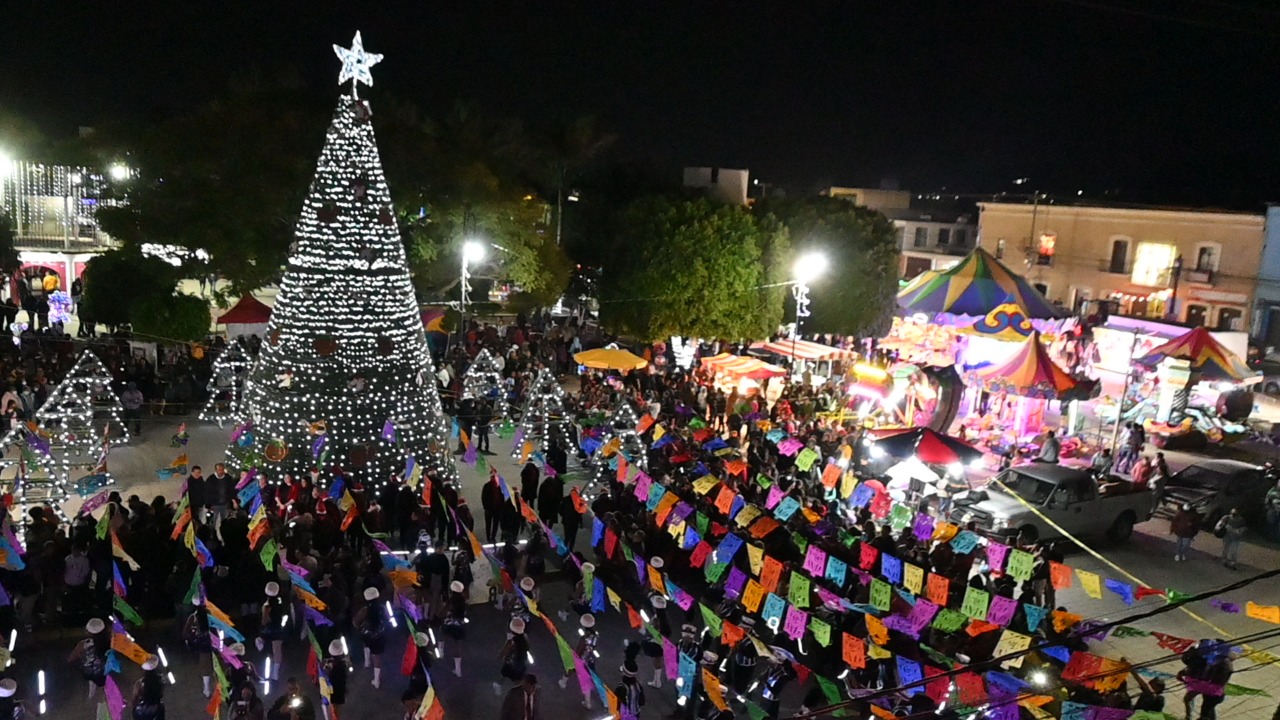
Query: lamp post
(472, 251)
(808, 267)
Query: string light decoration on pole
(808, 268)
(544, 418)
(226, 385)
(483, 379)
(344, 380)
(472, 252)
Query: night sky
(1179, 104)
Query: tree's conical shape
(344, 351)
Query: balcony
(1198, 277)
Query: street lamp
(472, 251)
(808, 268)
(119, 172)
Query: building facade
(872, 198)
(929, 240)
(52, 208)
(724, 184)
(1197, 267)
(1266, 306)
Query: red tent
(248, 311)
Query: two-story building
(52, 210)
(1198, 267)
(931, 240)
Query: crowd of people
(68, 575)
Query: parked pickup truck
(1068, 496)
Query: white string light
(229, 373)
(484, 380)
(544, 416)
(346, 329)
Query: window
(944, 237)
(922, 237)
(1041, 288)
(1045, 248)
(1119, 257)
(1207, 257)
(961, 236)
(1196, 315)
(1152, 263)
(1000, 249)
(1229, 319)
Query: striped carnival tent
(976, 286)
(1029, 373)
(743, 366)
(800, 349)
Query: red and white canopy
(743, 366)
(803, 349)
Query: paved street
(1148, 556)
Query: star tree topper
(356, 63)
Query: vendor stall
(747, 375)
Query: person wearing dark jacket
(570, 519)
(218, 491)
(1184, 526)
(491, 501)
(550, 495)
(529, 481)
(197, 493)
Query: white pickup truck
(1071, 497)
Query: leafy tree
(172, 317)
(692, 267)
(227, 179)
(857, 294)
(461, 178)
(118, 283)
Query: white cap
(709, 658)
(237, 649)
(656, 563)
(151, 663)
(371, 594)
(336, 649)
(588, 620)
(8, 687)
(588, 568)
(273, 589)
(526, 584)
(457, 586)
(95, 626)
(658, 601)
(421, 639)
(516, 626)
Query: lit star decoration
(356, 63)
(342, 323)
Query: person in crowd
(132, 401)
(1231, 528)
(148, 692)
(1049, 448)
(293, 704)
(523, 701)
(1184, 526)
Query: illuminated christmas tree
(544, 418)
(226, 385)
(27, 471)
(344, 379)
(618, 435)
(484, 380)
(81, 411)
